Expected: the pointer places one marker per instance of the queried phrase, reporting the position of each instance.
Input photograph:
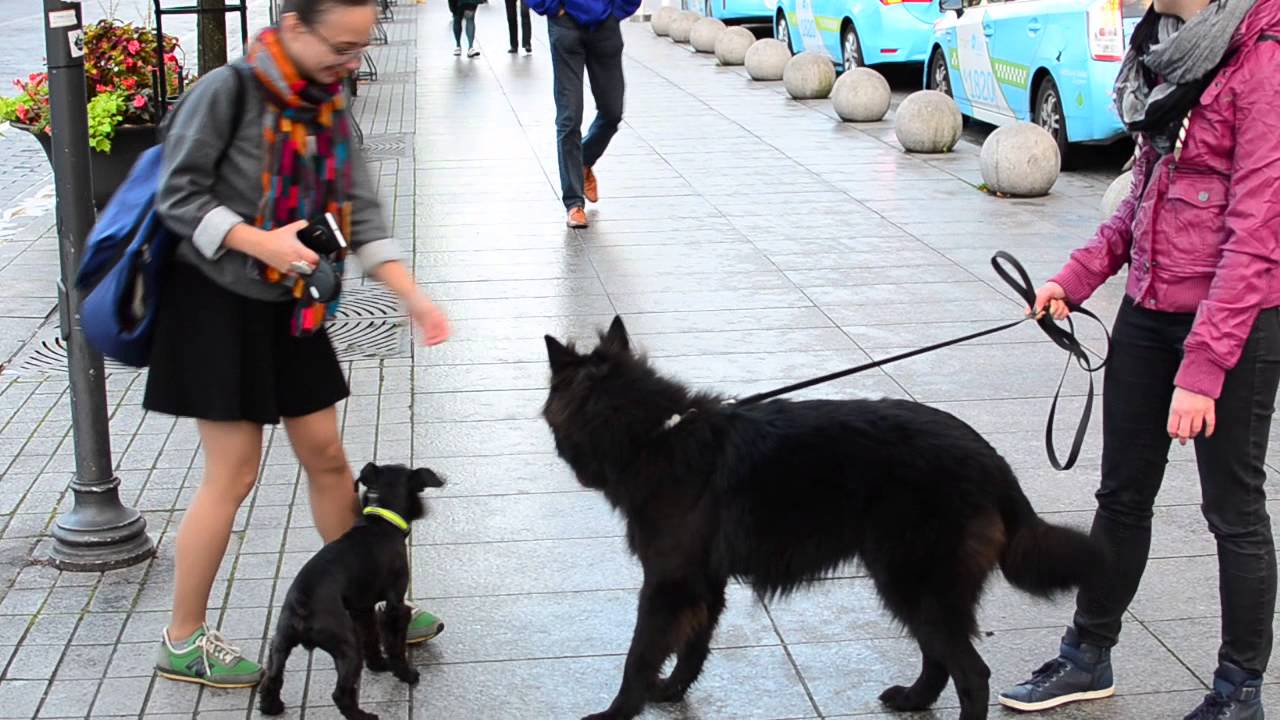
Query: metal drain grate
(369, 326)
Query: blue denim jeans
(598, 51)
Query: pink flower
(170, 58)
(134, 47)
(139, 101)
(104, 88)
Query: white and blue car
(1051, 62)
(858, 32)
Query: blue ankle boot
(1080, 672)
(1236, 695)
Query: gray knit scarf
(1169, 64)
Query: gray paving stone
(12, 628)
(85, 662)
(172, 697)
(134, 660)
(23, 601)
(51, 629)
(69, 699)
(124, 696)
(20, 698)
(33, 662)
(100, 628)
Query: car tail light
(1106, 31)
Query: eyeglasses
(344, 51)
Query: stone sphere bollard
(1021, 160)
(705, 33)
(682, 26)
(928, 121)
(661, 20)
(861, 95)
(809, 76)
(766, 59)
(1116, 193)
(732, 45)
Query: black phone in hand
(322, 236)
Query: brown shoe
(589, 186)
(577, 218)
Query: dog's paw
(667, 691)
(408, 675)
(271, 706)
(899, 698)
(376, 664)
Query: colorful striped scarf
(306, 173)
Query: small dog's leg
(395, 628)
(346, 695)
(282, 644)
(367, 629)
(698, 625)
(651, 644)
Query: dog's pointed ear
(423, 478)
(559, 355)
(367, 474)
(616, 340)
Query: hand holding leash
(1064, 338)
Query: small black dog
(331, 602)
(782, 493)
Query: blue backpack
(125, 257)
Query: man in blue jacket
(584, 33)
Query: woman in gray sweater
(239, 343)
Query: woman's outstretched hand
(430, 320)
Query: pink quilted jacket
(1200, 228)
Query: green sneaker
(423, 626)
(207, 659)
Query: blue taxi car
(858, 32)
(1051, 62)
(733, 12)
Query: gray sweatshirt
(201, 204)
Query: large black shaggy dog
(782, 493)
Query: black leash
(1064, 338)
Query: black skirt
(219, 356)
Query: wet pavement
(749, 241)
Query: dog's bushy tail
(1041, 558)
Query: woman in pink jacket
(1195, 352)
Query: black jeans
(1146, 349)
(599, 50)
(527, 35)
